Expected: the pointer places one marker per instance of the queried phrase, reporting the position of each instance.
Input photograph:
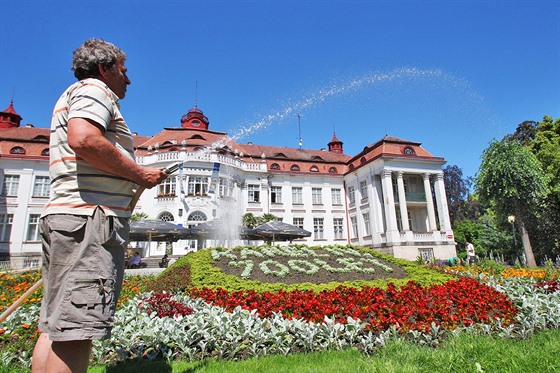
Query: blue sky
(452, 75)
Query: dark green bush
(176, 278)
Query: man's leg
(60, 357)
(69, 356)
(40, 354)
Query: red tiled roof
(33, 140)
(391, 147)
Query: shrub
(173, 279)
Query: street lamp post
(511, 219)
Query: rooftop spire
(196, 94)
(9, 118)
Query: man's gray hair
(91, 54)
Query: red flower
(412, 307)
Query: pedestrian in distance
(471, 255)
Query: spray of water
(368, 80)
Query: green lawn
(465, 353)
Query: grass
(463, 353)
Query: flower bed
(412, 307)
(234, 317)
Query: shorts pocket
(66, 233)
(92, 302)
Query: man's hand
(151, 177)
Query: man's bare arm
(86, 138)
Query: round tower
(196, 119)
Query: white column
(441, 200)
(376, 204)
(430, 203)
(402, 202)
(389, 203)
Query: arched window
(294, 167)
(166, 216)
(275, 166)
(333, 170)
(46, 152)
(196, 217)
(17, 150)
(314, 169)
(408, 150)
(363, 160)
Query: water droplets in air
(403, 78)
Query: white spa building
(390, 197)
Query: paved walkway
(143, 271)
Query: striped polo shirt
(77, 187)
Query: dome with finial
(335, 145)
(195, 118)
(9, 118)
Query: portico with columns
(410, 219)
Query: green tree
(138, 216)
(249, 220)
(266, 218)
(546, 146)
(456, 189)
(467, 230)
(525, 133)
(511, 179)
(543, 139)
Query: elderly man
(84, 225)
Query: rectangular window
(363, 190)
(276, 194)
(298, 222)
(336, 196)
(338, 228)
(317, 196)
(197, 186)
(297, 195)
(42, 186)
(10, 185)
(367, 227)
(399, 220)
(318, 228)
(354, 224)
(396, 185)
(167, 187)
(33, 228)
(226, 187)
(351, 194)
(254, 191)
(6, 221)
